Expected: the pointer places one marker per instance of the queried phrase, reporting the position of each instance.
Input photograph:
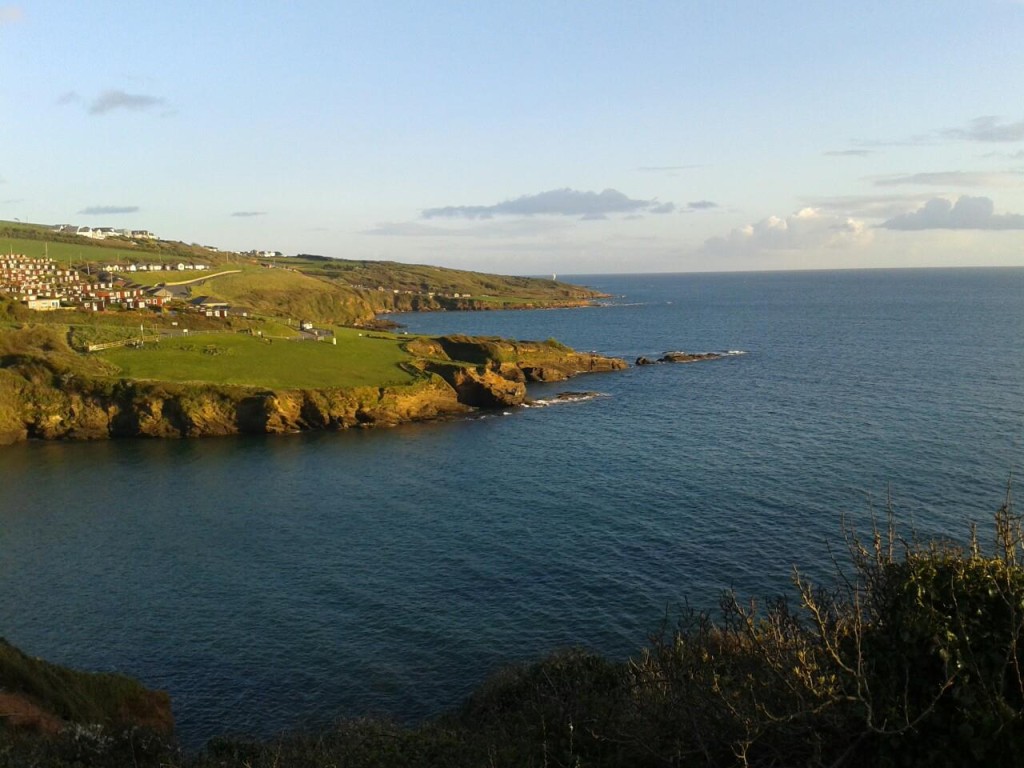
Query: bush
(934, 654)
(915, 659)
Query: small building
(43, 305)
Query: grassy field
(63, 252)
(239, 359)
(39, 241)
(250, 280)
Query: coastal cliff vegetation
(151, 338)
(912, 658)
(237, 382)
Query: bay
(272, 583)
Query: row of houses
(102, 233)
(41, 284)
(179, 267)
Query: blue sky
(528, 137)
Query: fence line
(121, 343)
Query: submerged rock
(689, 357)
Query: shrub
(932, 650)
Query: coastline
(454, 376)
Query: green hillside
(36, 241)
(372, 275)
(289, 294)
(317, 288)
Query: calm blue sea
(270, 583)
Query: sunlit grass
(239, 359)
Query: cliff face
(458, 373)
(92, 410)
(493, 372)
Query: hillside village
(42, 284)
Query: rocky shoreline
(454, 376)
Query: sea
(282, 582)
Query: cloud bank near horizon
(555, 202)
(965, 213)
(808, 228)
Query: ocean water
(273, 583)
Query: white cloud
(807, 229)
(109, 101)
(988, 128)
(1018, 155)
(850, 153)
(966, 213)
(665, 168)
(555, 202)
(954, 178)
(108, 210)
(515, 229)
(869, 206)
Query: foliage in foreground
(914, 660)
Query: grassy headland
(168, 339)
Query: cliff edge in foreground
(52, 715)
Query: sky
(563, 136)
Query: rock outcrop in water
(682, 357)
(454, 375)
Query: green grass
(62, 252)
(288, 294)
(241, 285)
(238, 359)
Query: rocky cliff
(40, 398)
